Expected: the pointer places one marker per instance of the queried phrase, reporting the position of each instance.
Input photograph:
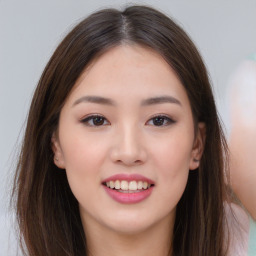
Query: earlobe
(57, 152)
(198, 147)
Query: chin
(130, 228)
(128, 223)
(134, 223)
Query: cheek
(83, 160)
(172, 159)
(82, 151)
(173, 155)
(83, 157)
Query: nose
(128, 148)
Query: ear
(58, 158)
(198, 146)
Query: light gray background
(223, 30)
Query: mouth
(124, 186)
(128, 189)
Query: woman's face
(126, 139)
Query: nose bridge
(129, 148)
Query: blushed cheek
(173, 158)
(174, 174)
(82, 167)
(81, 163)
(173, 182)
(82, 151)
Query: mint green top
(252, 238)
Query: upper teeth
(125, 185)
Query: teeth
(145, 185)
(126, 186)
(117, 184)
(133, 185)
(111, 184)
(140, 185)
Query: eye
(95, 120)
(160, 120)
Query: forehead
(129, 70)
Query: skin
(128, 142)
(242, 139)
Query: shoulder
(237, 229)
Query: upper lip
(128, 177)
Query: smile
(128, 189)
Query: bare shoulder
(238, 225)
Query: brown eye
(95, 120)
(161, 121)
(158, 121)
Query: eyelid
(85, 120)
(169, 119)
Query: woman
(123, 151)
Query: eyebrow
(95, 99)
(160, 100)
(146, 102)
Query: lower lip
(128, 198)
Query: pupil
(158, 121)
(98, 121)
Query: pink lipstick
(128, 189)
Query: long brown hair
(47, 211)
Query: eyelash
(91, 118)
(168, 120)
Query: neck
(156, 240)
